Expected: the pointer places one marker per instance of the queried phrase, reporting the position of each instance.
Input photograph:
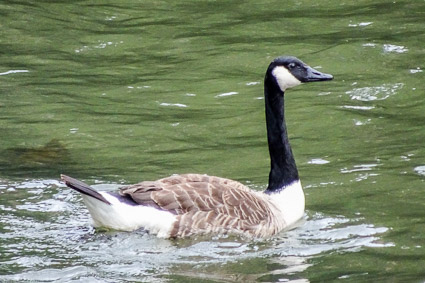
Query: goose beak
(315, 76)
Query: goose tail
(113, 211)
(83, 188)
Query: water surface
(122, 92)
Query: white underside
(291, 202)
(125, 217)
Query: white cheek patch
(284, 78)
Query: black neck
(283, 169)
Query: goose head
(289, 71)
(283, 73)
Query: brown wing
(205, 204)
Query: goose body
(189, 204)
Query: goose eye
(291, 65)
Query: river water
(119, 92)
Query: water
(121, 92)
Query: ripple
(390, 48)
(52, 274)
(61, 234)
(361, 167)
(417, 70)
(174, 104)
(227, 94)
(13, 72)
(51, 205)
(358, 107)
(375, 93)
(363, 24)
(420, 170)
(318, 161)
(35, 184)
(100, 45)
(361, 123)
(252, 83)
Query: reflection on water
(51, 226)
(53, 152)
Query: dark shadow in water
(43, 161)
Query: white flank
(284, 78)
(291, 203)
(125, 217)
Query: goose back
(207, 204)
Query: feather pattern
(206, 204)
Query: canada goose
(184, 205)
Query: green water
(120, 92)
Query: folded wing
(205, 204)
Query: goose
(193, 204)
